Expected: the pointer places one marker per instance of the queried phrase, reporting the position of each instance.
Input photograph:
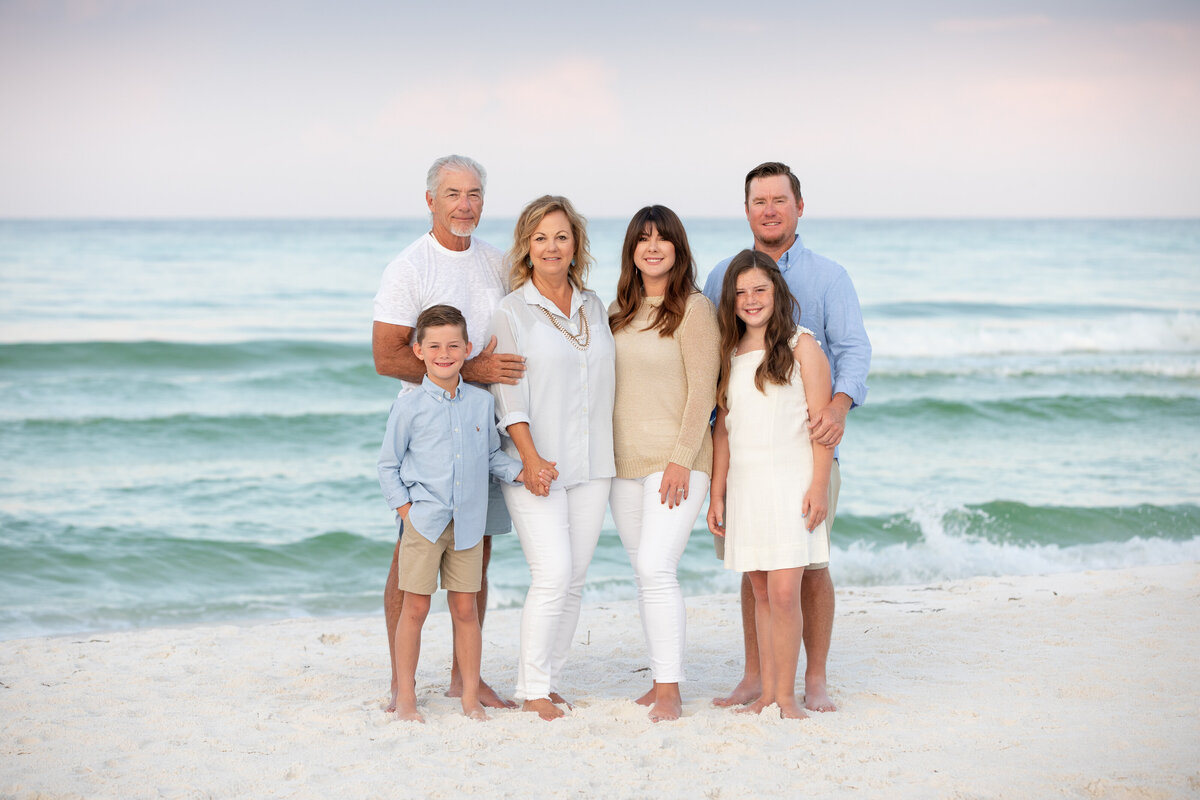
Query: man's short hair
(769, 169)
(438, 315)
(453, 162)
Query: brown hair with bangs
(681, 281)
(778, 359)
(436, 316)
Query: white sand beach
(1076, 686)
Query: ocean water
(189, 415)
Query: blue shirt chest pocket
(475, 442)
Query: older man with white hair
(447, 265)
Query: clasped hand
(538, 474)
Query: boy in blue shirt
(440, 445)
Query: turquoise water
(189, 416)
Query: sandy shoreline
(1078, 685)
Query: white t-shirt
(426, 274)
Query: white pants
(558, 536)
(655, 537)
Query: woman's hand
(537, 474)
(673, 489)
(716, 515)
(816, 506)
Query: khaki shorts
(421, 560)
(835, 488)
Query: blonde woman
(558, 421)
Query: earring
(572, 262)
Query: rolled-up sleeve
(846, 336)
(512, 401)
(500, 463)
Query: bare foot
(408, 711)
(648, 698)
(489, 698)
(476, 713)
(816, 698)
(391, 707)
(745, 692)
(666, 709)
(487, 695)
(667, 703)
(543, 708)
(555, 697)
(754, 708)
(790, 709)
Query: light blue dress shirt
(437, 453)
(828, 306)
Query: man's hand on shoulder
(492, 367)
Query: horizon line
(726, 218)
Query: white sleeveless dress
(770, 469)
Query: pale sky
(238, 108)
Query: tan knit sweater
(666, 390)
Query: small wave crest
(935, 543)
(1142, 332)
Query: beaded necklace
(579, 342)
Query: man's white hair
(453, 162)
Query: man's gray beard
(462, 229)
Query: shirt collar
(438, 393)
(446, 251)
(791, 254)
(533, 297)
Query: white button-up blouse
(567, 394)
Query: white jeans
(655, 537)
(558, 536)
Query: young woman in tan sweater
(667, 359)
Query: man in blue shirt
(829, 307)
(440, 445)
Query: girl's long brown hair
(778, 359)
(681, 281)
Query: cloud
(993, 24)
(1174, 32)
(729, 25)
(570, 100)
(82, 11)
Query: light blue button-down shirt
(828, 306)
(437, 453)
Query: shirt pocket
(475, 442)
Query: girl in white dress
(770, 482)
